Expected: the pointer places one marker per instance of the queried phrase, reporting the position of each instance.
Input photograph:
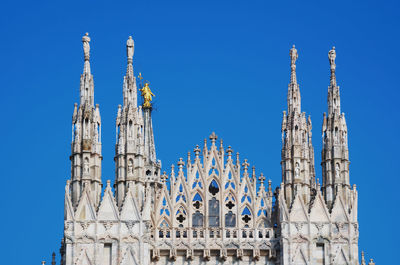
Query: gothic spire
(86, 87)
(129, 87)
(86, 138)
(335, 154)
(333, 90)
(297, 151)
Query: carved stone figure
(130, 167)
(337, 171)
(297, 170)
(293, 55)
(86, 166)
(129, 48)
(86, 46)
(332, 57)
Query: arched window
(213, 212)
(197, 219)
(230, 219)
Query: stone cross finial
(197, 151)
(180, 164)
(130, 49)
(261, 178)
(245, 165)
(229, 151)
(213, 138)
(86, 46)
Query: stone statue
(297, 170)
(86, 166)
(147, 95)
(332, 57)
(86, 46)
(130, 167)
(293, 56)
(130, 48)
(337, 171)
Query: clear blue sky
(214, 66)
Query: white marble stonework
(216, 210)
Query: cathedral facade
(211, 208)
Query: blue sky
(218, 66)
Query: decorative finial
(332, 57)
(269, 187)
(86, 46)
(147, 95)
(181, 164)
(371, 262)
(363, 258)
(261, 178)
(43, 262)
(213, 138)
(245, 165)
(197, 151)
(293, 57)
(130, 49)
(53, 259)
(229, 151)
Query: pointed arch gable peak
(85, 209)
(339, 213)
(108, 207)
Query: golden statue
(147, 95)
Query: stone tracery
(216, 198)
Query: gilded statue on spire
(86, 46)
(147, 95)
